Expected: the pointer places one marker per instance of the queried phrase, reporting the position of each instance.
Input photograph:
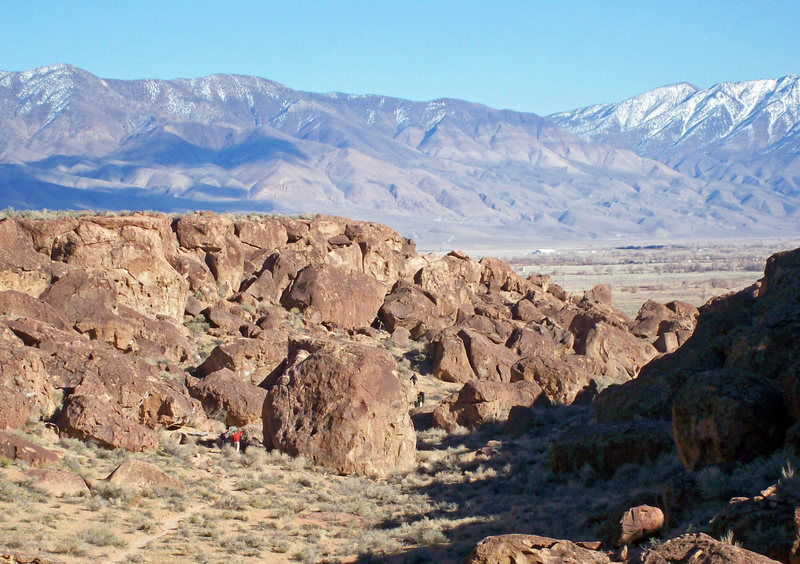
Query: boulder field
(115, 326)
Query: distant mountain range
(675, 162)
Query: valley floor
(269, 507)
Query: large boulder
(327, 294)
(252, 359)
(450, 359)
(451, 280)
(26, 381)
(18, 304)
(89, 417)
(621, 354)
(699, 548)
(725, 415)
(344, 407)
(228, 397)
(22, 268)
(409, 307)
(533, 549)
(134, 255)
(89, 302)
(479, 402)
(56, 482)
(607, 446)
(13, 448)
(138, 474)
(768, 523)
(562, 378)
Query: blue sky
(536, 56)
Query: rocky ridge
(114, 328)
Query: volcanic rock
(56, 482)
(344, 407)
(409, 307)
(14, 408)
(561, 378)
(347, 300)
(637, 524)
(725, 415)
(137, 474)
(699, 548)
(607, 446)
(768, 523)
(13, 447)
(532, 549)
(227, 396)
(91, 417)
(252, 359)
(17, 304)
(479, 402)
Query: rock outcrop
(699, 548)
(344, 407)
(480, 401)
(521, 549)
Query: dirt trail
(166, 527)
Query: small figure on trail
(236, 437)
(420, 399)
(414, 379)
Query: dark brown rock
(14, 408)
(13, 447)
(409, 307)
(252, 359)
(344, 407)
(637, 524)
(766, 523)
(723, 415)
(17, 304)
(606, 447)
(561, 378)
(699, 548)
(344, 299)
(479, 402)
(91, 417)
(226, 396)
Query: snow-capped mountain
(740, 132)
(443, 171)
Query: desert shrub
(198, 325)
(99, 536)
(71, 546)
(145, 521)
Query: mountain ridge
(430, 168)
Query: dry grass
(267, 506)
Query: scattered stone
(637, 524)
(522, 549)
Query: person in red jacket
(236, 437)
